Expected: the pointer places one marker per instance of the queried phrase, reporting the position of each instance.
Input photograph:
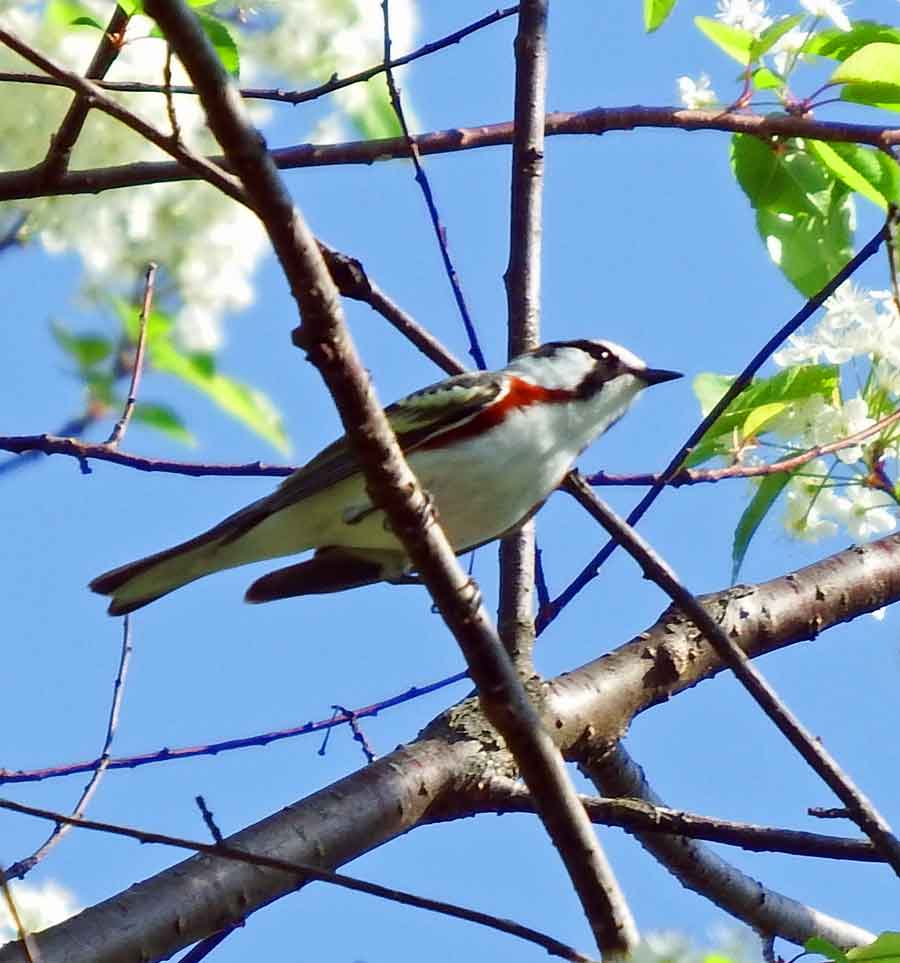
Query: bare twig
(742, 381)
(306, 874)
(698, 868)
(864, 814)
(358, 734)
(599, 120)
(56, 162)
(695, 476)
(440, 232)
(216, 748)
(637, 815)
(98, 766)
(210, 820)
(278, 94)
(121, 426)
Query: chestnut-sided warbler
(489, 447)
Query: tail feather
(329, 570)
(139, 583)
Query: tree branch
(698, 868)
(859, 807)
(440, 773)
(598, 120)
(391, 484)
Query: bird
(488, 446)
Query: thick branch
(15, 185)
(697, 867)
(441, 773)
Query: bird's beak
(656, 376)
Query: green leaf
(709, 389)
(376, 119)
(87, 22)
(810, 250)
(876, 63)
(220, 37)
(86, 350)
(163, 418)
(885, 96)
(782, 178)
(656, 12)
(246, 404)
(772, 34)
(886, 949)
(734, 41)
(101, 388)
(840, 44)
(765, 79)
(754, 513)
(159, 324)
(818, 944)
(790, 385)
(63, 13)
(761, 416)
(867, 171)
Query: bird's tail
(228, 544)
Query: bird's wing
(415, 419)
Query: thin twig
(440, 232)
(210, 820)
(99, 766)
(63, 141)
(696, 476)
(121, 426)
(742, 381)
(306, 873)
(215, 748)
(16, 185)
(278, 94)
(506, 796)
(358, 734)
(864, 814)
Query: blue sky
(649, 242)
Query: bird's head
(600, 377)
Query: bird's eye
(604, 356)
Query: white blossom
(866, 512)
(832, 9)
(748, 15)
(207, 245)
(38, 906)
(697, 94)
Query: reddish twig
(598, 120)
(99, 766)
(696, 476)
(121, 426)
(214, 748)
